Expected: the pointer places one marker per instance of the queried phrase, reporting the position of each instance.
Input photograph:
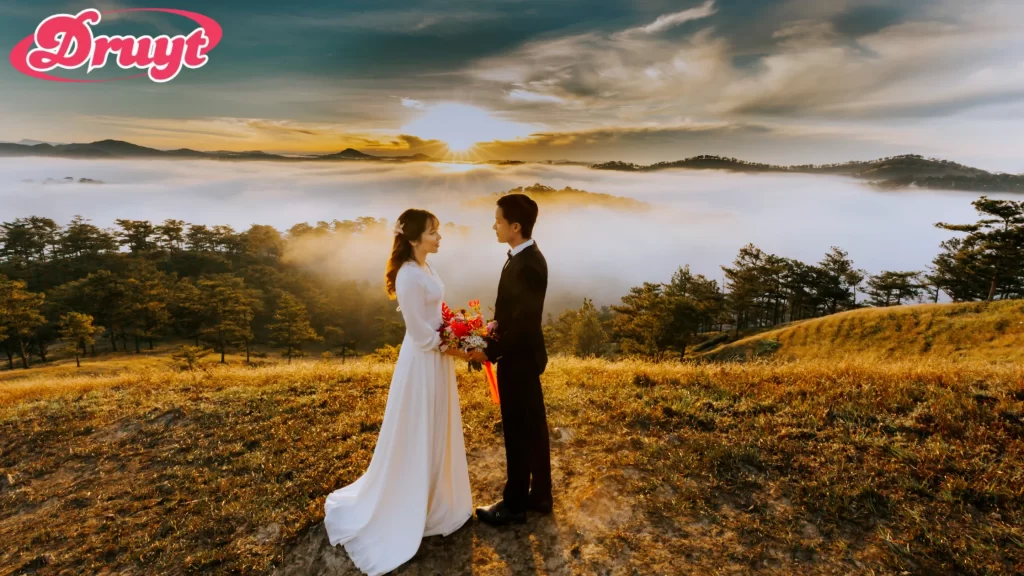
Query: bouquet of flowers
(466, 329)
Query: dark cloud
(940, 107)
(863, 20)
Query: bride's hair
(410, 226)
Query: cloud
(527, 96)
(410, 103)
(666, 21)
(898, 71)
(863, 61)
(164, 23)
(240, 134)
(700, 218)
(411, 20)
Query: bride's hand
(457, 353)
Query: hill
(991, 332)
(809, 468)
(893, 173)
(567, 197)
(120, 149)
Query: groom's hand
(478, 355)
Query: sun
(461, 126)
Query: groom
(519, 352)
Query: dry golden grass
(992, 332)
(803, 468)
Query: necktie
(507, 261)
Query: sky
(782, 81)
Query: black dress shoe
(499, 515)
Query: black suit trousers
(525, 427)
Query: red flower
(446, 313)
(461, 329)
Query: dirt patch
(116, 432)
(574, 539)
(169, 417)
(602, 508)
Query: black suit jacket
(519, 311)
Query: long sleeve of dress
(411, 301)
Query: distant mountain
(985, 183)
(567, 197)
(348, 154)
(895, 172)
(70, 180)
(121, 149)
(27, 142)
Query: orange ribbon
(493, 381)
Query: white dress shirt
(522, 247)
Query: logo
(66, 41)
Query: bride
(417, 483)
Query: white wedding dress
(417, 483)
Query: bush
(189, 357)
(719, 338)
(386, 354)
(766, 347)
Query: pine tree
(102, 295)
(838, 280)
(693, 303)
(200, 238)
(641, 323)
(147, 301)
(263, 241)
(19, 315)
(993, 249)
(229, 310)
(558, 332)
(336, 338)
(892, 288)
(187, 309)
(931, 284)
(84, 239)
(27, 241)
(291, 328)
(137, 235)
(249, 305)
(171, 234)
(746, 286)
(78, 330)
(587, 335)
(800, 284)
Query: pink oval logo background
(19, 55)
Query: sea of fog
(700, 218)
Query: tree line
(125, 287)
(762, 290)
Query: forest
(121, 289)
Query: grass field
(980, 331)
(802, 468)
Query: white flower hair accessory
(397, 229)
